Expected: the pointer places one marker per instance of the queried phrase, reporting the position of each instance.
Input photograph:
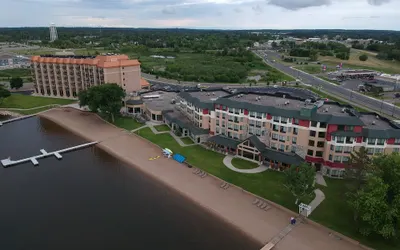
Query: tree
(358, 167)
(16, 82)
(376, 205)
(313, 55)
(363, 57)
(299, 180)
(4, 93)
(106, 99)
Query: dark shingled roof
(183, 124)
(224, 141)
(327, 118)
(346, 133)
(283, 157)
(381, 134)
(134, 102)
(195, 101)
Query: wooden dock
(34, 159)
(16, 119)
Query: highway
(334, 90)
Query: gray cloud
(237, 10)
(168, 10)
(257, 9)
(378, 2)
(299, 4)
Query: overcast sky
(225, 14)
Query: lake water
(90, 200)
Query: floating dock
(15, 119)
(34, 159)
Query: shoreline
(233, 206)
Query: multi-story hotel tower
(66, 76)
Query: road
(334, 90)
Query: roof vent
(287, 102)
(284, 96)
(373, 122)
(377, 117)
(343, 110)
(213, 93)
(307, 101)
(326, 110)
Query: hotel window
(251, 130)
(330, 157)
(259, 115)
(370, 151)
(223, 124)
(276, 118)
(294, 140)
(380, 142)
(322, 125)
(284, 120)
(295, 131)
(294, 148)
(397, 141)
(338, 149)
(321, 135)
(282, 138)
(379, 151)
(217, 122)
(340, 139)
(337, 158)
(320, 144)
(347, 149)
(258, 124)
(349, 128)
(310, 152)
(273, 145)
(296, 121)
(217, 114)
(311, 143)
(371, 141)
(223, 116)
(396, 150)
(217, 130)
(319, 153)
(345, 159)
(258, 132)
(314, 124)
(312, 133)
(283, 129)
(289, 129)
(282, 147)
(275, 137)
(252, 114)
(236, 127)
(275, 128)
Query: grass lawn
(268, 184)
(32, 111)
(187, 140)
(372, 63)
(243, 164)
(335, 214)
(6, 73)
(162, 128)
(127, 123)
(26, 102)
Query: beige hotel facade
(66, 76)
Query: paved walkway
(228, 163)
(179, 141)
(319, 197)
(319, 179)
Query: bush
(363, 57)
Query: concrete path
(228, 163)
(136, 129)
(319, 179)
(154, 130)
(179, 141)
(319, 197)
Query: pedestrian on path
(292, 220)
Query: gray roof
(183, 122)
(346, 133)
(381, 134)
(224, 141)
(134, 102)
(196, 101)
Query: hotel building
(65, 76)
(276, 130)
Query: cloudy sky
(225, 14)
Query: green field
(268, 184)
(313, 68)
(187, 140)
(127, 123)
(243, 164)
(18, 72)
(33, 111)
(162, 128)
(27, 102)
(204, 67)
(335, 214)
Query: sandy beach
(232, 205)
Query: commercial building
(65, 76)
(277, 130)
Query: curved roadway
(336, 90)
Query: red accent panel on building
(335, 164)
(269, 116)
(390, 141)
(205, 111)
(212, 133)
(246, 112)
(332, 128)
(314, 159)
(358, 129)
(304, 123)
(359, 139)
